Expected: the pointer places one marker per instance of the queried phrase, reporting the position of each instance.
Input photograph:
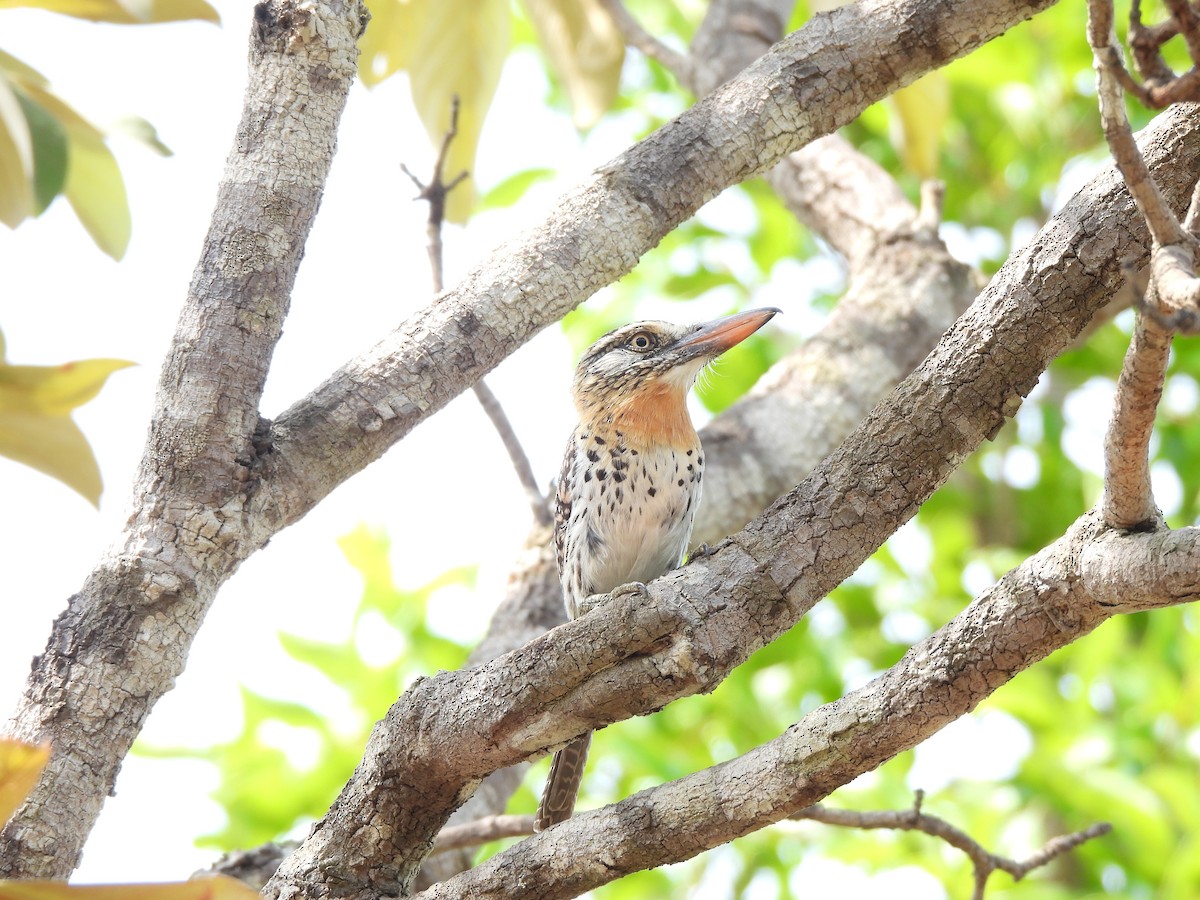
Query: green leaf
(143, 132)
(586, 51)
(49, 153)
(513, 188)
(94, 185)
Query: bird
(630, 481)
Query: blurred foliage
(1106, 729)
(265, 790)
(35, 418)
(47, 149)
(20, 766)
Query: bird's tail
(562, 785)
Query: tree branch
(1038, 607)
(631, 658)
(984, 863)
(1128, 495)
(636, 36)
(795, 93)
(124, 637)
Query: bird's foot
(701, 552)
(587, 604)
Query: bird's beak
(715, 337)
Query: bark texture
(631, 657)
(124, 638)
(217, 482)
(1048, 601)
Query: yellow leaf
(54, 390)
(20, 766)
(215, 888)
(922, 110)
(53, 445)
(462, 45)
(35, 426)
(123, 12)
(16, 159)
(386, 47)
(94, 183)
(586, 51)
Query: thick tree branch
(630, 658)
(1036, 608)
(809, 84)
(905, 291)
(125, 636)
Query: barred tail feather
(562, 785)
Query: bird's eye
(641, 341)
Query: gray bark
(631, 656)
(217, 483)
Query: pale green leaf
(922, 111)
(513, 188)
(16, 159)
(143, 132)
(35, 428)
(463, 44)
(94, 185)
(387, 45)
(53, 445)
(123, 12)
(54, 390)
(585, 50)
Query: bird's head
(653, 364)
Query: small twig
(435, 193)
(481, 831)
(1187, 22)
(516, 453)
(929, 214)
(985, 863)
(1164, 227)
(1146, 43)
(635, 35)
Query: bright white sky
(364, 269)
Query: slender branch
(1164, 227)
(494, 828)
(635, 35)
(1128, 495)
(435, 193)
(1188, 24)
(482, 831)
(984, 862)
(1146, 43)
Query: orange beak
(715, 337)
